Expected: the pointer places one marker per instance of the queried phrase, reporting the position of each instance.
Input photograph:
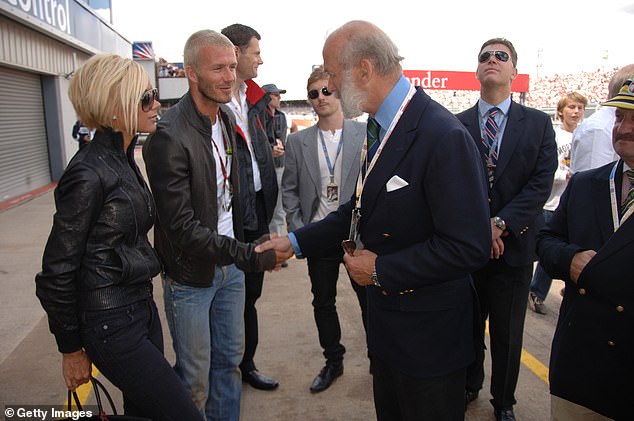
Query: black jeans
(324, 273)
(126, 345)
(253, 290)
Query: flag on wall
(142, 50)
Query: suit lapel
(311, 156)
(351, 139)
(613, 241)
(394, 150)
(471, 121)
(512, 134)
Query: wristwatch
(375, 279)
(499, 222)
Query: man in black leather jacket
(193, 173)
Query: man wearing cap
(277, 122)
(588, 243)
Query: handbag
(101, 416)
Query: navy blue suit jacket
(523, 177)
(592, 356)
(429, 236)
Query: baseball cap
(271, 88)
(625, 97)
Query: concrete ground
(30, 366)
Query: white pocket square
(396, 183)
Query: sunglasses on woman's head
(314, 93)
(148, 98)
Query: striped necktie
(629, 200)
(373, 129)
(490, 143)
(490, 133)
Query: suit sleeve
(529, 201)
(290, 184)
(553, 247)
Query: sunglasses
(148, 98)
(500, 55)
(314, 93)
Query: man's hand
(281, 245)
(278, 149)
(76, 367)
(360, 266)
(497, 244)
(579, 262)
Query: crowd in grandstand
(544, 92)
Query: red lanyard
(228, 151)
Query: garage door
(24, 163)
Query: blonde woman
(98, 265)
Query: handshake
(271, 244)
(360, 264)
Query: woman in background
(98, 265)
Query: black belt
(114, 296)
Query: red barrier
(456, 81)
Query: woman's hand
(76, 368)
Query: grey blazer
(301, 182)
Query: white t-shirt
(592, 141)
(225, 218)
(332, 144)
(564, 145)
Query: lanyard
(615, 202)
(228, 151)
(331, 166)
(361, 179)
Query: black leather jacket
(182, 173)
(98, 255)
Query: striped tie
(629, 200)
(373, 135)
(490, 134)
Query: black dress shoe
(469, 396)
(504, 415)
(326, 376)
(259, 380)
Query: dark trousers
(253, 290)
(324, 273)
(503, 294)
(126, 345)
(399, 397)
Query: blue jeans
(207, 328)
(126, 345)
(540, 284)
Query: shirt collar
(391, 104)
(504, 106)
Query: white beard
(352, 98)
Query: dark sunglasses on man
(148, 98)
(314, 93)
(500, 55)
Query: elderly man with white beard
(416, 227)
